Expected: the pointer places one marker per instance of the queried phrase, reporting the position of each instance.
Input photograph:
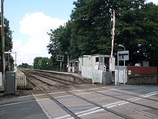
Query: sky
(30, 20)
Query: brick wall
(142, 79)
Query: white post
(15, 61)
(113, 36)
(118, 68)
(67, 63)
(124, 72)
(60, 65)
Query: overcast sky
(31, 20)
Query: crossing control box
(10, 82)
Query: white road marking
(63, 117)
(25, 96)
(149, 94)
(87, 113)
(134, 99)
(63, 96)
(45, 111)
(114, 104)
(92, 109)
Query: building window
(106, 60)
(97, 59)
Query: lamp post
(123, 63)
(124, 50)
(67, 61)
(122, 46)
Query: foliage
(42, 63)
(89, 30)
(25, 65)
(8, 41)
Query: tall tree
(137, 30)
(89, 30)
(8, 41)
(42, 63)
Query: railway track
(106, 108)
(132, 101)
(55, 100)
(52, 73)
(141, 96)
(69, 111)
(62, 81)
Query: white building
(96, 61)
(73, 66)
(94, 67)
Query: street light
(67, 60)
(124, 50)
(122, 46)
(123, 63)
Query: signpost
(122, 56)
(60, 58)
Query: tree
(137, 30)
(60, 43)
(89, 30)
(25, 65)
(42, 63)
(8, 41)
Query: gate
(120, 75)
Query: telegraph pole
(2, 37)
(112, 37)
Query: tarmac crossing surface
(101, 102)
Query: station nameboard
(123, 55)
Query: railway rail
(55, 100)
(141, 96)
(65, 74)
(107, 107)
(69, 111)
